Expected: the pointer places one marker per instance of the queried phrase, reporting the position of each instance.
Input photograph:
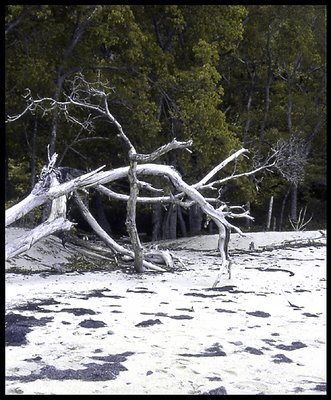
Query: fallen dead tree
(318, 241)
(52, 186)
(41, 193)
(297, 243)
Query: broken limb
(56, 221)
(269, 163)
(174, 144)
(41, 193)
(220, 166)
(24, 243)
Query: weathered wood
(131, 218)
(25, 242)
(97, 177)
(93, 97)
(40, 194)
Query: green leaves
(181, 71)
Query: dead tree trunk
(270, 212)
(47, 228)
(294, 202)
(56, 222)
(42, 193)
(131, 218)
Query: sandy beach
(117, 332)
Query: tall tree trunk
(31, 215)
(248, 222)
(281, 217)
(291, 76)
(62, 75)
(248, 105)
(101, 215)
(294, 202)
(34, 153)
(170, 224)
(267, 89)
(6, 173)
(195, 219)
(156, 214)
(270, 212)
(181, 221)
(131, 214)
(156, 221)
(248, 121)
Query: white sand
(158, 365)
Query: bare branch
(219, 167)
(174, 144)
(106, 238)
(228, 178)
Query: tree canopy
(225, 76)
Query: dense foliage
(225, 76)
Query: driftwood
(56, 221)
(23, 244)
(94, 98)
(286, 244)
(297, 243)
(41, 194)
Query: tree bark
(42, 193)
(56, 222)
(6, 173)
(33, 153)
